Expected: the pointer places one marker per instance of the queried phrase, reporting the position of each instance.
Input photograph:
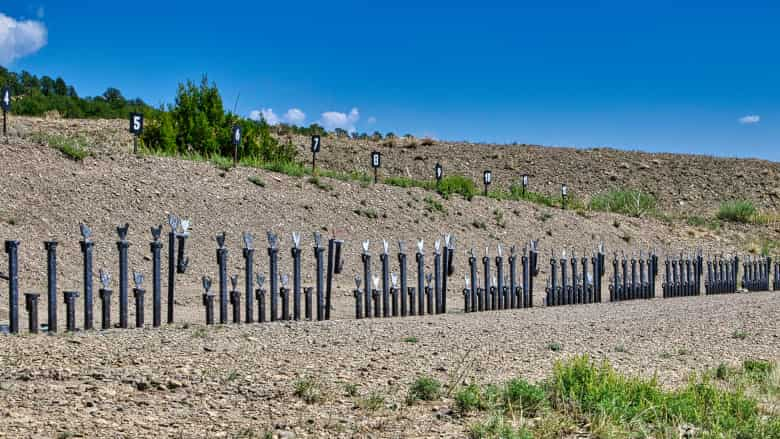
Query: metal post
(513, 300)
(249, 264)
(208, 300)
(122, 246)
(394, 294)
(486, 268)
(156, 248)
(284, 293)
(429, 293)
(260, 296)
(51, 280)
(138, 294)
(318, 255)
(500, 276)
(402, 270)
(70, 309)
(335, 265)
(366, 258)
(411, 292)
(273, 275)
(385, 260)
(437, 275)
(358, 299)
(31, 305)
(235, 299)
(295, 252)
(307, 292)
(222, 254)
(474, 281)
(105, 301)
(86, 250)
(420, 258)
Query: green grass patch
(424, 389)
(624, 201)
(372, 402)
(256, 180)
(410, 339)
(738, 211)
(71, 147)
(406, 182)
(320, 184)
(221, 162)
(432, 205)
(456, 184)
(307, 389)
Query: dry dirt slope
(189, 381)
(48, 196)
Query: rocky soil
(197, 382)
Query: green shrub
(456, 184)
(627, 202)
(223, 163)
(497, 427)
(738, 211)
(423, 389)
(73, 148)
(408, 182)
(522, 396)
(307, 389)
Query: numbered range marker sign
(6, 99)
(236, 135)
(376, 159)
(525, 181)
(564, 190)
(487, 177)
(136, 123)
(438, 172)
(315, 144)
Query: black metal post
(86, 250)
(320, 280)
(402, 270)
(260, 296)
(366, 258)
(308, 292)
(51, 280)
(122, 246)
(384, 258)
(31, 305)
(138, 293)
(156, 248)
(273, 274)
(70, 309)
(295, 252)
(235, 299)
(249, 264)
(420, 258)
(222, 255)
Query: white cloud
(750, 119)
(331, 120)
(265, 113)
(294, 116)
(19, 38)
(371, 120)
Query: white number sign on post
(136, 127)
(6, 106)
(315, 148)
(487, 178)
(439, 172)
(236, 136)
(376, 161)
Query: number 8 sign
(376, 159)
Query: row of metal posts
(323, 284)
(399, 300)
(639, 283)
(501, 292)
(87, 250)
(755, 274)
(682, 276)
(575, 288)
(721, 275)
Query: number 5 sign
(136, 123)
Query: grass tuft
(424, 389)
(307, 389)
(738, 211)
(624, 201)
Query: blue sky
(657, 76)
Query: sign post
(487, 178)
(136, 127)
(236, 136)
(439, 173)
(564, 195)
(6, 106)
(525, 183)
(315, 148)
(376, 161)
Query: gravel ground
(235, 381)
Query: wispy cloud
(293, 116)
(750, 119)
(20, 38)
(371, 120)
(331, 120)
